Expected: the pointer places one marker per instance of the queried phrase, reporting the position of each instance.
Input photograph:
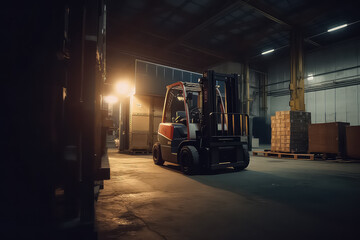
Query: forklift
(201, 125)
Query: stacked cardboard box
(352, 144)
(328, 138)
(289, 131)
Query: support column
(247, 82)
(297, 102)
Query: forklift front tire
(246, 162)
(189, 160)
(157, 154)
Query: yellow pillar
(297, 101)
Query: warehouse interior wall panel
(278, 73)
(268, 110)
(228, 67)
(340, 98)
(279, 104)
(310, 104)
(330, 108)
(340, 105)
(152, 79)
(320, 106)
(254, 93)
(326, 62)
(333, 92)
(351, 108)
(330, 61)
(254, 78)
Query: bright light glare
(336, 28)
(123, 88)
(110, 99)
(310, 77)
(180, 98)
(132, 91)
(269, 51)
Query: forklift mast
(233, 123)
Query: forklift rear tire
(157, 154)
(246, 162)
(189, 160)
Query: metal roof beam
(254, 5)
(260, 8)
(204, 24)
(148, 53)
(206, 51)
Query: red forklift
(201, 125)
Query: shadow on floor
(332, 198)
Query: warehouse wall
(333, 93)
(235, 67)
(151, 79)
(228, 67)
(258, 126)
(254, 94)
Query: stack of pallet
(289, 131)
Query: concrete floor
(272, 199)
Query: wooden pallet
(329, 156)
(284, 155)
(139, 151)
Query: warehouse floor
(272, 199)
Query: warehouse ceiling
(197, 34)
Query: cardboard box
(290, 131)
(328, 138)
(352, 142)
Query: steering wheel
(195, 114)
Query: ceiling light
(336, 28)
(268, 51)
(310, 77)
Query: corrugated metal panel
(320, 107)
(345, 57)
(255, 106)
(177, 76)
(169, 75)
(309, 63)
(279, 104)
(351, 107)
(310, 105)
(152, 79)
(326, 64)
(340, 96)
(268, 111)
(186, 77)
(330, 105)
(279, 72)
(195, 77)
(334, 104)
